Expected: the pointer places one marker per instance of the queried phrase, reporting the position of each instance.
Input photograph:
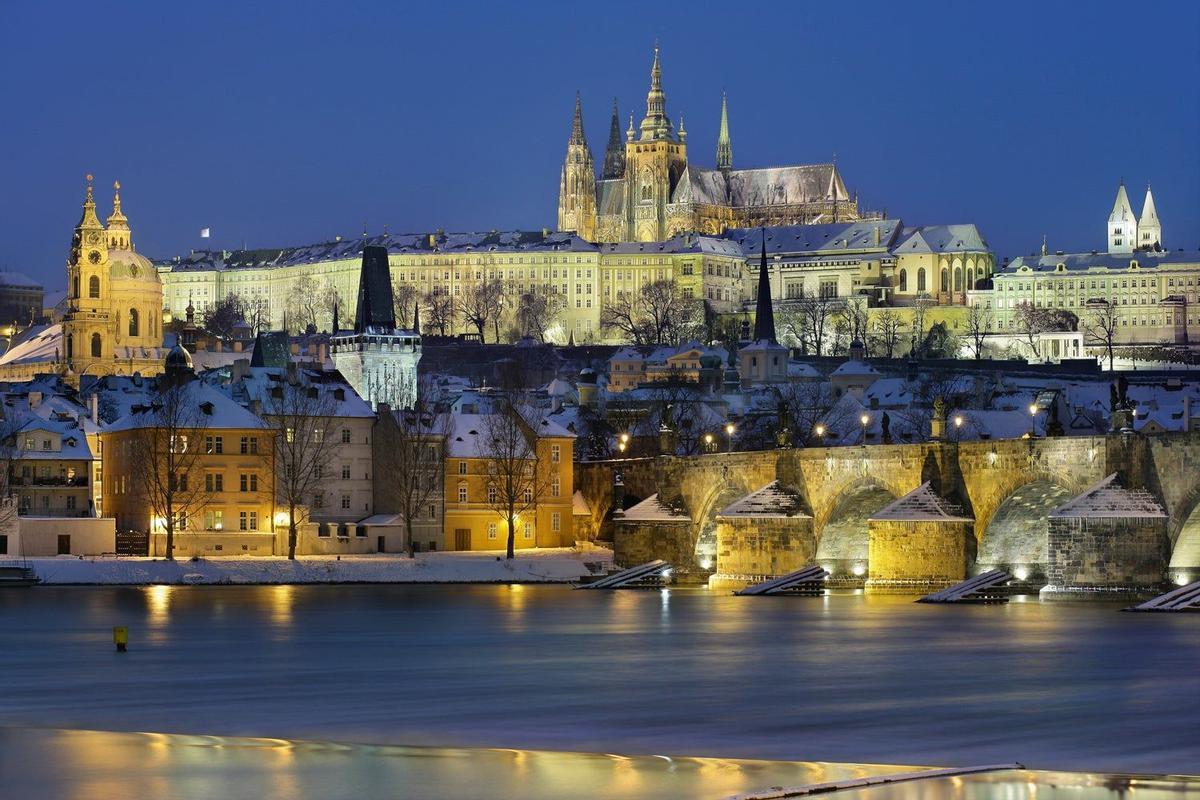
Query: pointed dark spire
(764, 312)
(417, 317)
(336, 327)
(724, 146)
(577, 136)
(614, 153)
(376, 311)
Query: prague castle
(111, 318)
(648, 191)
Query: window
(345, 472)
(214, 444)
(492, 495)
(93, 286)
(214, 482)
(319, 435)
(181, 521)
(528, 530)
(319, 502)
(462, 493)
(527, 495)
(921, 279)
(253, 520)
(97, 347)
(554, 486)
(345, 436)
(904, 280)
(462, 468)
(491, 530)
(248, 482)
(345, 501)
(249, 445)
(555, 453)
(556, 522)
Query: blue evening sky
(278, 123)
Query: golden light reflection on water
(158, 608)
(283, 600)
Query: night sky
(291, 122)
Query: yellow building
(471, 522)
(227, 487)
(112, 320)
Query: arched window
(945, 280)
(95, 345)
(93, 286)
(970, 278)
(70, 346)
(75, 287)
(958, 279)
(904, 280)
(921, 279)
(133, 322)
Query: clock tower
(85, 324)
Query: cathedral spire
(764, 312)
(89, 218)
(577, 136)
(614, 153)
(656, 125)
(1122, 224)
(724, 146)
(1149, 228)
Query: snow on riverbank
(556, 565)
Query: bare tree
(537, 311)
(482, 304)
(408, 446)
(405, 297)
(221, 317)
(809, 317)
(1100, 327)
(658, 313)
(979, 325)
(1034, 321)
(302, 414)
(303, 304)
(516, 479)
(921, 308)
(10, 454)
(678, 406)
(326, 301)
(852, 324)
(256, 310)
(165, 451)
(886, 328)
(439, 312)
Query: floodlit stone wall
(752, 549)
(1118, 556)
(921, 555)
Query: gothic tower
(1149, 228)
(724, 147)
(577, 189)
(85, 322)
(1122, 224)
(653, 166)
(614, 153)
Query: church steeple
(764, 312)
(614, 153)
(1122, 224)
(656, 124)
(724, 146)
(1149, 228)
(577, 186)
(119, 236)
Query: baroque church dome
(131, 265)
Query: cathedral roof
(940, 239)
(827, 237)
(741, 188)
(610, 197)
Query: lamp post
(623, 443)
(865, 419)
(708, 442)
(958, 423)
(1033, 409)
(819, 431)
(729, 431)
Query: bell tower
(653, 165)
(119, 237)
(577, 188)
(85, 322)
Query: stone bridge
(911, 516)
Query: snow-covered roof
(223, 412)
(798, 370)
(1108, 499)
(18, 280)
(940, 239)
(382, 519)
(855, 367)
(258, 382)
(1073, 262)
(36, 344)
(653, 510)
(922, 503)
(772, 500)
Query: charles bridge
(1112, 514)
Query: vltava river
(688, 672)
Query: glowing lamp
(819, 430)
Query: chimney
(94, 407)
(35, 399)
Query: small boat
(11, 575)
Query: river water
(845, 678)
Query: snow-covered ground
(551, 565)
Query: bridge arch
(843, 538)
(1184, 536)
(1014, 537)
